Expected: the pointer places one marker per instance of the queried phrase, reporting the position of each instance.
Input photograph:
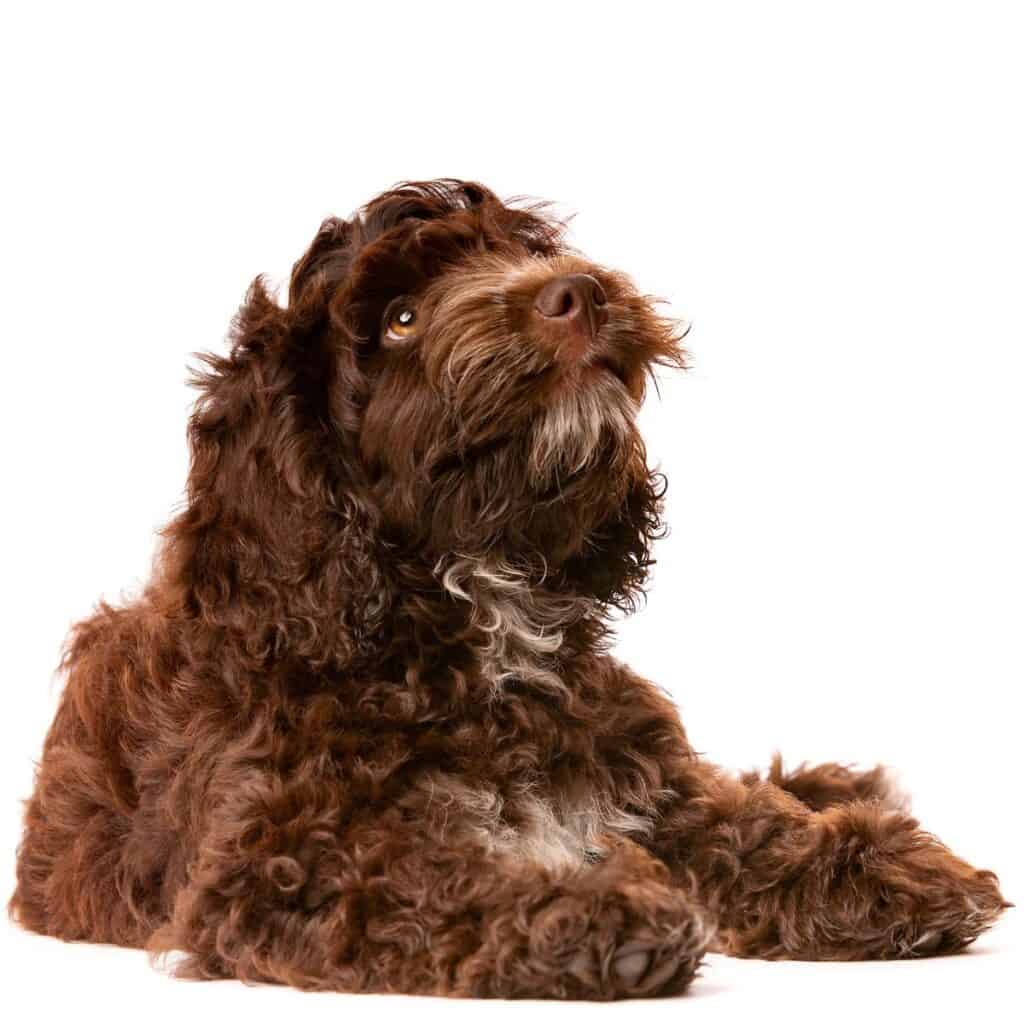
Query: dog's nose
(574, 300)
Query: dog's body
(360, 732)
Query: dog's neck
(519, 626)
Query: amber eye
(400, 320)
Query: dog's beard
(580, 426)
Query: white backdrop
(831, 193)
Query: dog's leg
(86, 870)
(858, 880)
(825, 874)
(281, 894)
(824, 785)
(73, 878)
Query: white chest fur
(554, 832)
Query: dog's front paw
(615, 930)
(943, 909)
(864, 882)
(622, 935)
(657, 959)
(909, 896)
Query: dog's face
(496, 376)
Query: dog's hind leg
(825, 785)
(69, 863)
(283, 893)
(84, 871)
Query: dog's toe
(631, 963)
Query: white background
(832, 193)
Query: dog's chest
(567, 835)
(555, 830)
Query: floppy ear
(324, 263)
(276, 542)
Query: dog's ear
(276, 542)
(324, 263)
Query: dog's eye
(400, 320)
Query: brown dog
(361, 732)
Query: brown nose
(575, 300)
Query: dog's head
(451, 369)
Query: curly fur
(360, 732)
